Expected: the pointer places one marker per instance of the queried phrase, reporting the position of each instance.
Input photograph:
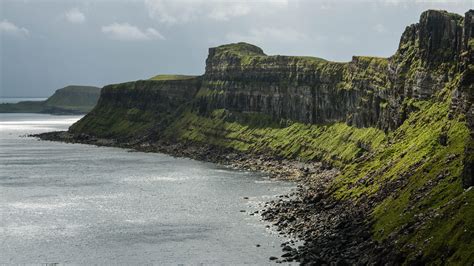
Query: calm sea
(81, 204)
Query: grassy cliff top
(240, 48)
(80, 88)
(172, 77)
(251, 55)
(74, 96)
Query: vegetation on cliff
(399, 129)
(144, 105)
(171, 77)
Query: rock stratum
(384, 146)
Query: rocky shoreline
(278, 168)
(332, 231)
(401, 127)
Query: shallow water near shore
(74, 203)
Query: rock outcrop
(399, 130)
(134, 109)
(463, 95)
(365, 92)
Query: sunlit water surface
(73, 203)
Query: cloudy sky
(47, 44)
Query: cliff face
(304, 89)
(463, 94)
(364, 92)
(400, 129)
(74, 95)
(135, 108)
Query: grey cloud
(266, 35)
(7, 27)
(184, 11)
(127, 32)
(74, 15)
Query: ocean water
(81, 204)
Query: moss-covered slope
(137, 109)
(399, 129)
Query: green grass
(347, 76)
(434, 174)
(172, 77)
(428, 172)
(336, 143)
(238, 49)
(369, 159)
(116, 123)
(433, 184)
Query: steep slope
(137, 109)
(80, 98)
(68, 100)
(398, 130)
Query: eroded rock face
(463, 95)
(136, 109)
(440, 36)
(364, 92)
(433, 62)
(161, 96)
(309, 90)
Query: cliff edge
(398, 133)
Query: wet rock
(286, 255)
(335, 231)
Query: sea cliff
(383, 146)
